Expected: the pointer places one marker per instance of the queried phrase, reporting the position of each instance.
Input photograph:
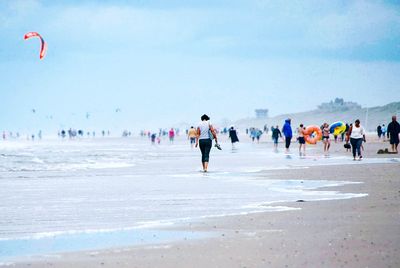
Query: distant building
(261, 113)
(339, 105)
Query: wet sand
(359, 232)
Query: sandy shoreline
(360, 232)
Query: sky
(147, 64)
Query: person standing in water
(192, 134)
(356, 135)
(302, 142)
(379, 131)
(233, 136)
(325, 138)
(287, 132)
(276, 133)
(383, 128)
(205, 134)
(393, 131)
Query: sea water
(95, 193)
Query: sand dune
(370, 117)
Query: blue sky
(165, 62)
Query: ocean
(68, 195)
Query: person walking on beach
(325, 138)
(253, 134)
(356, 135)
(302, 142)
(233, 136)
(393, 131)
(379, 131)
(287, 132)
(276, 133)
(258, 135)
(171, 135)
(192, 134)
(384, 132)
(153, 138)
(205, 134)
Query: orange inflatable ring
(313, 134)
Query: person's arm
(214, 133)
(197, 136)
(349, 133)
(363, 134)
(388, 130)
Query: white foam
(7, 263)
(145, 186)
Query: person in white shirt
(356, 134)
(205, 134)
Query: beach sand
(358, 232)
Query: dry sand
(360, 232)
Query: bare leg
(205, 164)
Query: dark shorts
(302, 140)
(275, 140)
(325, 137)
(192, 140)
(394, 139)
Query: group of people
(389, 133)
(74, 133)
(381, 131)
(254, 133)
(355, 135)
(155, 137)
(17, 135)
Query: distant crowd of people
(353, 135)
(74, 133)
(11, 135)
(203, 135)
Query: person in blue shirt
(287, 132)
